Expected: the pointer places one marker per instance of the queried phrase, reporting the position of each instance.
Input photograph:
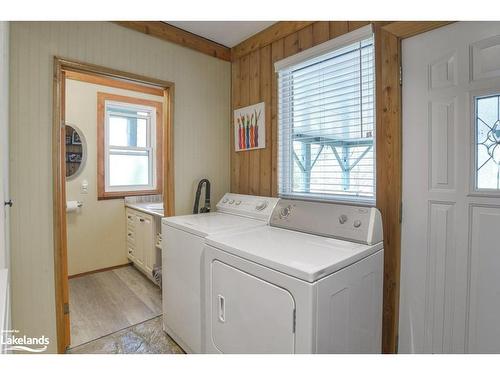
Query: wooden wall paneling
(291, 44)
(277, 53)
(244, 101)
(338, 28)
(266, 77)
(266, 37)
(254, 97)
(353, 25)
(184, 38)
(235, 103)
(321, 32)
(389, 174)
(305, 37)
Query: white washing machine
(310, 282)
(182, 247)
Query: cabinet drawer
(130, 236)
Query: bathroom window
(487, 137)
(129, 149)
(326, 121)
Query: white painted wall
(201, 138)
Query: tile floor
(143, 338)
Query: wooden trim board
(110, 82)
(61, 67)
(99, 270)
(406, 29)
(178, 36)
(101, 111)
(389, 174)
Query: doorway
(451, 190)
(70, 153)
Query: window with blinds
(327, 121)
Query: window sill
(123, 194)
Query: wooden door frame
(388, 37)
(61, 66)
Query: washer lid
(209, 223)
(304, 256)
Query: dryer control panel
(352, 223)
(247, 205)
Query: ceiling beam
(267, 36)
(178, 36)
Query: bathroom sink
(155, 206)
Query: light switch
(84, 188)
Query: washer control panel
(353, 223)
(247, 205)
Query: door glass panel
(487, 127)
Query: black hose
(206, 208)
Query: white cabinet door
(249, 315)
(148, 245)
(446, 229)
(131, 232)
(139, 239)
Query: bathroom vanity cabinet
(141, 244)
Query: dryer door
(249, 315)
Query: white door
(249, 315)
(450, 279)
(4, 143)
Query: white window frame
(285, 154)
(150, 149)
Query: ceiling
(227, 33)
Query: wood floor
(109, 301)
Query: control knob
(357, 223)
(261, 205)
(342, 219)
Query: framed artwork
(73, 157)
(75, 139)
(250, 127)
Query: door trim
(61, 66)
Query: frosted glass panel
(487, 125)
(126, 170)
(127, 131)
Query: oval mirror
(75, 151)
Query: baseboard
(99, 270)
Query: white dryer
(310, 282)
(182, 247)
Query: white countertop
(143, 207)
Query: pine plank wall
(253, 81)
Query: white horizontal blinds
(326, 124)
